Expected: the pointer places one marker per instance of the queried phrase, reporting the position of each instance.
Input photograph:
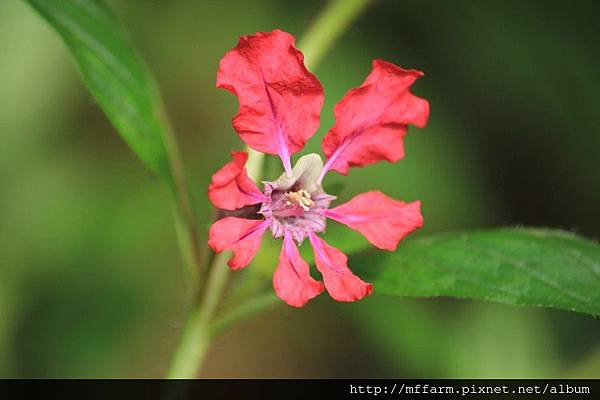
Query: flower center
(295, 203)
(300, 198)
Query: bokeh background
(91, 283)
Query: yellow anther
(300, 198)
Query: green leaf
(518, 266)
(114, 74)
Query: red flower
(280, 102)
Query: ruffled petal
(280, 100)
(339, 281)
(231, 188)
(382, 220)
(241, 236)
(292, 281)
(371, 120)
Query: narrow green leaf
(519, 266)
(114, 74)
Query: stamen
(301, 198)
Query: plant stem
(251, 306)
(200, 327)
(254, 165)
(331, 23)
(185, 217)
(196, 335)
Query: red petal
(231, 188)
(371, 120)
(340, 282)
(382, 220)
(280, 100)
(292, 281)
(242, 236)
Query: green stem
(246, 309)
(185, 218)
(254, 164)
(331, 23)
(196, 335)
(200, 327)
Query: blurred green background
(91, 283)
